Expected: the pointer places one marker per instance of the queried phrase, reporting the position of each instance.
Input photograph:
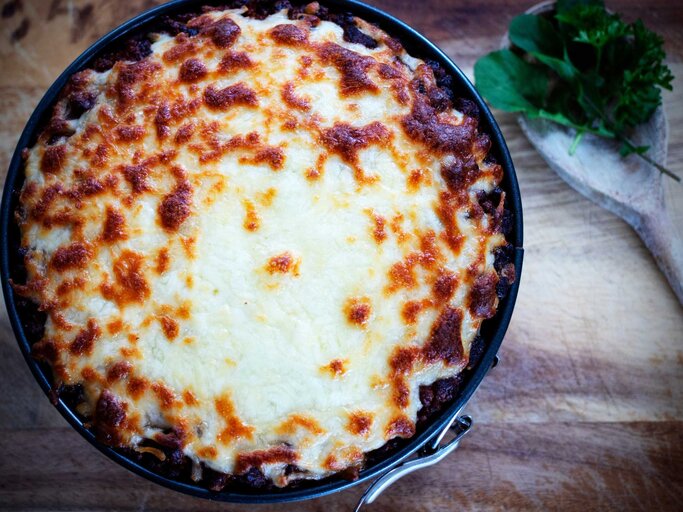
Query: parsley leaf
(512, 84)
(581, 67)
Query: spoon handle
(659, 235)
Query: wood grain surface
(585, 411)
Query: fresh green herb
(581, 67)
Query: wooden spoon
(628, 187)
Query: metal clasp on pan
(427, 456)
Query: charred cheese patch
(265, 238)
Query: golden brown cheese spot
(332, 464)
(266, 198)
(183, 46)
(89, 374)
(401, 363)
(403, 359)
(46, 199)
(207, 452)
(402, 275)
(136, 387)
(379, 227)
(223, 32)
(291, 99)
(164, 394)
(289, 34)
(115, 326)
(175, 207)
(299, 421)
(312, 174)
(424, 125)
(136, 176)
(56, 317)
(445, 285)
(162, 119)
(53, 159)
(223, 99)
(114, 228)
(446, 210)
(252, 221)
(401, 394)
(282, 264)
(170, 327)
(163, 261)
(29, 191)
(129, 133)
(360, 423)
(101, 156)
(90, 186)
(183, 311)
(192, 70)
(74, 255)
(352, 66)
(129, 76)
(130, 285)
(234, 427)
(417, 178)
(400, 426)
(34, 286)
(251, 141)
(445, 342)
(131, 352)
(346, 140)
(350, 456)
(388, 72)
(460, 174)
(119, 371)
(336, 368)
(189, 398)
(412, 309)
(65, 287)
(358, 310)
(273, 156)
(233, 61)
(85, 339)
(482, 298)
(184, 133)
(259, 458)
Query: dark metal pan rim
(416, 45)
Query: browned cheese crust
(111, 223)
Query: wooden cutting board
(585, 410)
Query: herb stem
(576, 141)
(625, 140)
(650, 161)
(598, 60)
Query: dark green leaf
(535, 34)
(510, 83)
(585, 69)
(562, 67)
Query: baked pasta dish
(263, 239)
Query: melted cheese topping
(257, 243)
